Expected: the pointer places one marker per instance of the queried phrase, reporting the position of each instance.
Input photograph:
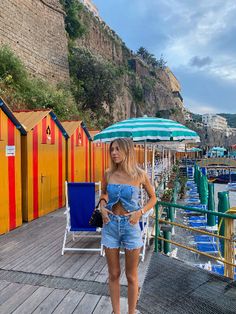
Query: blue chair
(210, 248)
(204, 239)
(200, 224)
(80, 204)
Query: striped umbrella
(148, 129)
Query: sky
(197, 38)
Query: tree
(95, 79)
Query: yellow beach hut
(43, 162)
(78, 151)
(10, 169)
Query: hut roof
(71, 126)
(11, 116)
(30, 118)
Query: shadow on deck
(172, 286)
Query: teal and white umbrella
(147, 129)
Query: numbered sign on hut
(10, 169)
(44, 162)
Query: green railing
(229, 238)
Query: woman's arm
(104, 195)
(151, 194)
(104, 200)
(136, 215)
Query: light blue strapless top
(127, 194)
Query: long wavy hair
(129, 163)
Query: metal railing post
(229, 254)
(223, 206)
(157, 229)
(211, 219)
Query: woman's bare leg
(131, 270)
(113, 262)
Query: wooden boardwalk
(35, 278)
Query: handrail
(228, 261)
(196, 209)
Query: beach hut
(78, 151)
(10, 169)
(43, 162)
(99, 158)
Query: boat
(231, 186)
(223, 178)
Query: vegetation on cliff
(73, 24)
(24, 92)
(95, 83)
(150, 59)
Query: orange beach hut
(78, 151)
(10, 169)
(43, 162)
(99, 158)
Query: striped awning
(148, 129)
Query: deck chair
(210, 248)
(145, 225)
(80, 203)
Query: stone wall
(35, 31)
(101, 40)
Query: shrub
(18, 87)
(73, 25)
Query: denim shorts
(120, 233)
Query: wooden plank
(33, 301)
(58, 260)
(103, 275)
(123, 305)
(61, 265)
(93, 259)
(104, 306)
(51, 302)
(87, 304)
(16, 256)
(8, 291)
(94, 271)
(82, 259)
(3, 284)
(17, 299)
(37, 263)
(33, 253)
(69, 303)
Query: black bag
(96, 218)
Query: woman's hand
(105, 217)
(135, 217)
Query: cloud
(196, 38)
(200, 62)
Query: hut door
(45, 194)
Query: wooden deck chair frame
(79, 234)
(145, 226)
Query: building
(214, 121)
(90, 6)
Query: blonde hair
(129, 163)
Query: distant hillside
(231, 118)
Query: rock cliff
(35, 30)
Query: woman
(121, 213)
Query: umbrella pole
(145, 156)
(153, 163)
